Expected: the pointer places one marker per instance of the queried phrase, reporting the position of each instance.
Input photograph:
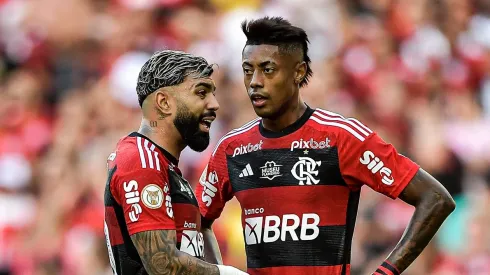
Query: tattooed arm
(160, 255)
(212, 253)
(433, 204)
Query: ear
(164, 102)
(300, 72)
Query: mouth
(206, 123)
(258, 100)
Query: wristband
(386, 268)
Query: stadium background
(416, 71)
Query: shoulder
(135, 153)
(236, 135)
(350, 128)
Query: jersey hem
(144, 228)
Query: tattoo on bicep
(158, 253)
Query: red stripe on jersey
(350, 121)
(331, 208)
(357, 122)
(115, 234)
(385, 270)
(339, 124)
(299, 270)
(239, 131)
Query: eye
(202, 93)
(268, 70)
(247, 71)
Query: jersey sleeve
(144, 195)
(214, 188)
(371, 161)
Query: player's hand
(230, 270)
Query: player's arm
(433, 204)
(212, 193)
(366, 159)
(151, 224)
(159, 254)
(212, 254)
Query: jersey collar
(288, 130)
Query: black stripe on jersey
(381, 272)
(352, 207)
(126, 256)
(289, 164)
(180, 189)
(325, 250)
(108, 198)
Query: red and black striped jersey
(145, 191)
(299, 189)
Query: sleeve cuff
(405, 181)
(148, 227)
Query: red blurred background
(416, 71)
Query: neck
(287, 117)
(163, 135)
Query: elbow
(449, 204)
(446, 204)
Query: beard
(188, 126)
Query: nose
(213, 103)
(257, 80)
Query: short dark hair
(169, 68)
(279, 31)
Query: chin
(200, 142)
(264, 112)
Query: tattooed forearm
(433, 205)
(160, 256)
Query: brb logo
(305, 171)
(310, 144)
(192, 243)
(269, 229)
(132, 198)
(375, 165)
(249, 148)
(209, 186)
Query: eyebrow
(205, 85)
(262, 64)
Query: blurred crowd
(415, 71)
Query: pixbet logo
(310, 144)
(209, 186)
(132, 198)
(269, 229)
(375, 165)
(244, 149)
(305, 171)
